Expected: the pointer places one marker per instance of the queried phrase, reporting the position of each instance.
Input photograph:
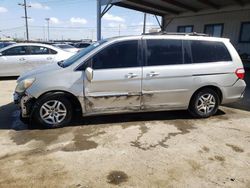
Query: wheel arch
(215, 88)
(71, 97)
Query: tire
(204, 103)
(52, 111)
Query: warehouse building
(219, 18)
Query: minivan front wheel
(52, 112)
(204, 103)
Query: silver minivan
(134, 74)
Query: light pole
(99, 20)
(24, 4)
(48, 19)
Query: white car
(19, 58)
(67, 47)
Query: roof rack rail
(172, 33)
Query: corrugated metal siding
(231, 20)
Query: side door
(39, 55)
(167, 75)
(115, 81)
(13, 61)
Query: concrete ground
(163, 149)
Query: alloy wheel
(206, 104)
(53, 112)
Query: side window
(38, 50)
(209, 51)
(164, 52)
(52, 51)
(19, 50)
(119, 55)
(187, 52)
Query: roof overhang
(175, 7)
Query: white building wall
(231, 18)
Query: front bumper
(25, 102)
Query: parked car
(134, 74)
(4, 44)
(82, 45)
(67, 47)
(19, 58)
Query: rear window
(209, 51)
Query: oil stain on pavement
(81, 142)
(117, 177)
(183, 127)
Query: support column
(163, 23)
(144, 23)
(99, 21)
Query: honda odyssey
(134, 74)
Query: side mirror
(89, 73)
(1, 54)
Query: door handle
(22, 59)
(131, 75)
(153, 74)
(49, 58)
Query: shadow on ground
(9, 117)
(8, 78)
(138, 117)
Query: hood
(39, 70)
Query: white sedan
(19, 58)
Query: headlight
(23, 85)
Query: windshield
(82, 53)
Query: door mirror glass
(89, 73)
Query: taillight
(240, 73)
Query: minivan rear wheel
(52, 112)
(204, 103)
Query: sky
(69, 19)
